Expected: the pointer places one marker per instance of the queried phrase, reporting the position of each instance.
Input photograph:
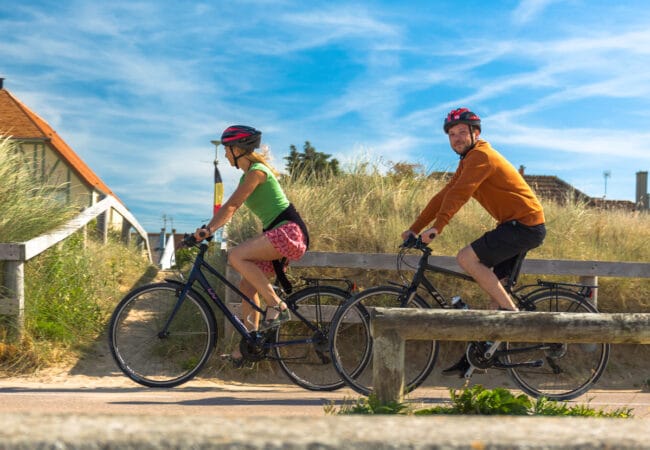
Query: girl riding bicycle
(284, 236)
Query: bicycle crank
(253, 350)
(476, 352)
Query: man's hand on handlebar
(407, 234)
(411, 240)
(429, 235)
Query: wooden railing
(391, 327)
(14, 255)
(586, 271)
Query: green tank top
(268, 199)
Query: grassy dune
(365, 211)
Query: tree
(402, 170)
(310, 162)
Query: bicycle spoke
(149, 356)
(308, 364)
(352, 343)
(568, 370)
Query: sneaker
(284, 316)
(457, 369)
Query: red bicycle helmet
(247, 138)
(462, 115)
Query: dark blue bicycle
(162, 334)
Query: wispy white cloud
(135, 87)
(528, 10)
(595, 142)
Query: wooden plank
(33, 247)
(387, 261)
(521, 326)
(391, 327)
(39, 244)
(587, 268)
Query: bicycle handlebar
(415, 242)
(190, 241)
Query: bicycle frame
(196, 275)
(420, 279)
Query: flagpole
(218, 188)
(218, 183)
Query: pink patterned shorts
(288, 240)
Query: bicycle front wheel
(151, 354)
(351, 341)
(302, 345)
(564, 371)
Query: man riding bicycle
(484, 174)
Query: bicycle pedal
(323, 357)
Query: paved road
(117, 395)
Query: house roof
(21, 123)
(553, 188)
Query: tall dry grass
(28, 206)
(366, 211)
(71, 288)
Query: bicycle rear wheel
(153, 357)
(567, 370)
(352, 343)
(302, 345)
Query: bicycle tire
(161, 361)
(308, 364)
(351, 341)
(568, 370)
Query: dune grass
(70, 288)
(364, 210)
(29, 207)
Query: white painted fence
(14, 255)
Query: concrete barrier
(32, 431)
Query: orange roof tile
(21, 123)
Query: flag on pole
(218, 188)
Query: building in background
(49, 158)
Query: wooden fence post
(14, 280)
(591, 281)
(231, 299)
(388, 363)
(126, 233)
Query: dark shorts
(500, 247)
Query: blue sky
(139, 88)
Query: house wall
(46, 166)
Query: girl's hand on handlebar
(202, 233)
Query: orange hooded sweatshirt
(484, 174)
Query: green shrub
(477, 400)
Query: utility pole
(606, 175)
